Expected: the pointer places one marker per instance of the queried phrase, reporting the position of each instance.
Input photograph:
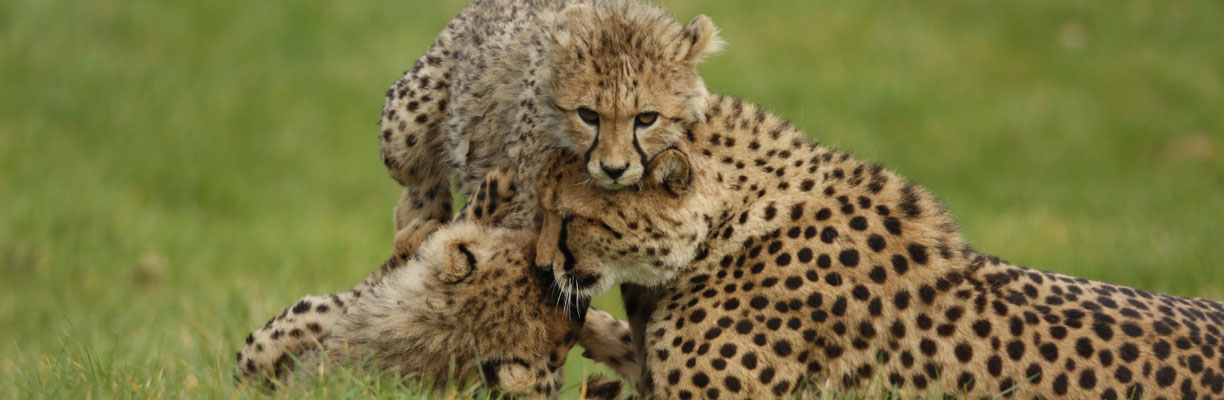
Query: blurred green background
(172, 173)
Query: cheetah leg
(640, 302)
(419, 213)
(411, 120)
(411, 142)
(609, 341)
(269, 352)
(490, 204)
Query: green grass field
(172, 173)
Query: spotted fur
(781, 263)
(502, 84)
(467, 302)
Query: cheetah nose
(614, 173)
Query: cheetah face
(593, 238)
(625, 80)
(471, 295)
(469, 301)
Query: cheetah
(509, 80)
(765, 263)
(468, 301)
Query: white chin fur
(596, 290)
(608, 184)
(640, 274)
(605, 282)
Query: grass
(173, 173)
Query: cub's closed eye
(588, 115)
(646, 119)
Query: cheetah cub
(777, 263)
(469, 301)
(509, 80)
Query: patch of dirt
(150, 270)
(1193, 146)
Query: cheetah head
(469, 302)
(625, 80)
(517, 328)
(593, 238)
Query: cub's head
(495, 310)
(625, 79)
(469, 302)
(593, 238)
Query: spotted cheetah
(469, 300)
(776, 263)
(509, 80)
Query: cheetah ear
(572, 23)
(670, 169)
(702, 38)
(460, 262)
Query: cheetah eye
(646, 119)
(588, 115)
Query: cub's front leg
(609, 341)
(412, 129)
